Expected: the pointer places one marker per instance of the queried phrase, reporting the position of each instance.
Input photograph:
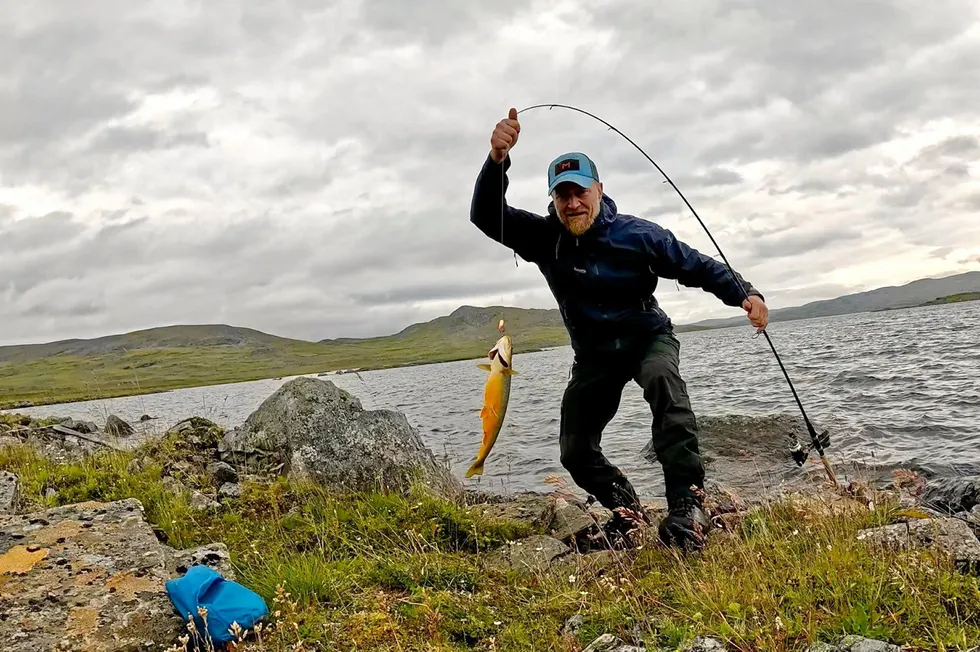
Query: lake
(895, 388)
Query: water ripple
(894, 388)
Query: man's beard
(579, 224)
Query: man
(602, 267)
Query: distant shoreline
(472, 352)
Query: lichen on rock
(90, 576)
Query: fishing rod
(818, 441)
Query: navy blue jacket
(603, 280)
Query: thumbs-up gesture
(504, 136)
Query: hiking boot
(618, 531)
(686, 525)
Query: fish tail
(476, 469)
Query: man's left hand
(758, 312)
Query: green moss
(381, 571)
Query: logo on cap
(566, 165)
(574, 167)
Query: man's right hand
(504, 136)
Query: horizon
(479, 307)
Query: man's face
(577, 207)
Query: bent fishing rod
(818, 441)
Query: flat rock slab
(949, 534)
(91, 577)
(535, 553)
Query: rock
(861, 644)
(705, 644)
(535, 553)
(197, 432)
(86, 427)
(952, 494)
(529, 507)
(573, 624)
(569, 521)
(8, 492)
(146, 417)
(854, 643)
(173, 485)
(87, 577)
(202, 503)
(321, 432)
(609, 643)
(230, 490)
(212, 555)
(222, 472)
(947, 534)
(116, 427)
(605, 643)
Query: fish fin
(507, 371)
(476, 469)
(484, 366)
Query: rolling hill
(914, 294)
(172, 357)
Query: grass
(954, 298)
(65, 378)
(391, 572)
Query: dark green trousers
(592, 399)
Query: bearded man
(602, 267)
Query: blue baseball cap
(573, 166)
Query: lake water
(896, 388)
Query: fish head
(502, 352)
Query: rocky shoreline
(90, 575)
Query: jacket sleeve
(674, 259)
(520, 230)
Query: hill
(172, 357)
(914, 294)
(203, 335)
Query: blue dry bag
(227, 602)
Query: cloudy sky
(306, 168)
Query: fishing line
(818, 441)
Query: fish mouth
(501, 350)
(494, 353)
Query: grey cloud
(431, 20)
(134, 139)
(306, 168)
(957, 147)
(65, 310)
(720, 177)
(801, 240)
(440, 290)
(29, 235)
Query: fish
(496, 396)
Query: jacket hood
(607, 213)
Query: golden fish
(496, 395)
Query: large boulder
(315, 430)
